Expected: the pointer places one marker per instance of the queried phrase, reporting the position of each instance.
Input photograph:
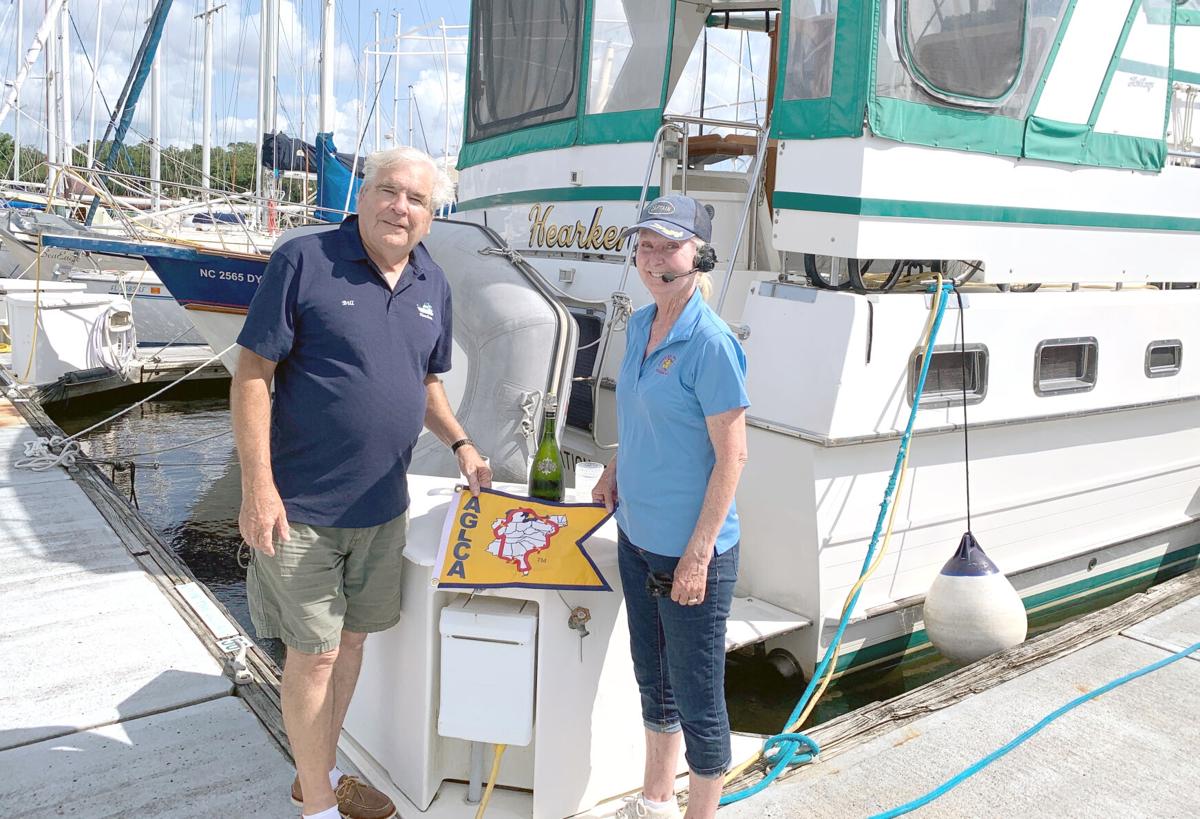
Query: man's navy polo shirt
(350, 382)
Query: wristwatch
(460, 443)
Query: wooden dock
(1130, 751)
(114, 700)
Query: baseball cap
(675, 217)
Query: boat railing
(1191, 158)
(718, 143)
(137, 213)
(679, 126)
(748, 207)
(655, 146)
(757, 143)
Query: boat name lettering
(230, 275)
(469, 519)
(593, 236)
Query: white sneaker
(635, 807)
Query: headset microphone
(670, 277)
(704, 261)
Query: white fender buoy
(971, 609)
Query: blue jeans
(679, 654)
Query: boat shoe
(355, 799)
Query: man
(353, 326)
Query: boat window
(964, 50)
(629, 50)
(811, 29)
(948, 367)
(1164, 358)
(524, 63)
(1065, 365)
(1187, 12)
(893, 79)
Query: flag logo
(497, 540)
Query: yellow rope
(883, 547)
(487, 794)
(37, 310)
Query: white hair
(443, 188)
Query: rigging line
(152, 396)
(420, 122)
(93, 67)
(192, 116)
(117, 26)
(962, 336)
(753, 87)
(236, 85)
(4, 26)
(371, 112)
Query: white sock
(335, 776)
(650, 803)
(328, 813)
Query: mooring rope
(47, 453)
(787, 749)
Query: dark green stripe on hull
(1051, 606)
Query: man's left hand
(474, 468)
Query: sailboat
(1036, 154)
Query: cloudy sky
(236, 40)
(236, 47)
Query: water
(191, 496)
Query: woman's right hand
(605, 490)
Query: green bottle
(546, 474)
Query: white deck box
(489, 650)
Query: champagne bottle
(546, 474)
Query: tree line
(232, 166)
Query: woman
(681, 406)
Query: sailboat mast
(268, 93)
(127, 104)
(446, 79)
(91, 148)
(396, 88)
(325, 111)
(206, 115)
(17, 100)
(51, 97)
(41, 39)
(66, 111)
(377, 86)
(273, 77)
(260, 127)
(155, 135)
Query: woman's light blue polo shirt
(665, 456)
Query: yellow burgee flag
(499, 540)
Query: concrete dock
(114, 702)
(1131, 751)
(111, 703)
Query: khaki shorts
(325, 579)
